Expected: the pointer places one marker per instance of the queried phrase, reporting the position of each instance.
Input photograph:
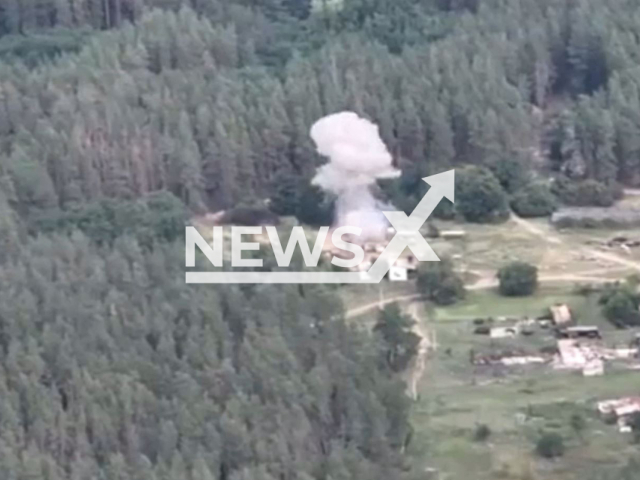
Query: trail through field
(535, 230)
(546, 236)
(357, 311)
(483, 284)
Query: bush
(479, 196)
(578, 423)
(534, 200)
(439, 283)
(482, 433)
(620, 306)
(518, 279)
(550, 445)
(585, 193)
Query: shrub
(620, 305)
(534, 200)
(482, 433)
(550, 445)
(517, 279)
(578, 423)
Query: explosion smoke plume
(357, 157)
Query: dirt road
(607, 256)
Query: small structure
(503, 332)
(586, 331)
(622, 409)
(398, 274)
(571, 355)
(453, 234)
(561, 314)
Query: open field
(517, 403)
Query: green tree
(479, 196)
(511, 172)
(401, 344)
(518, 279)
(286, 195)
(314, 207)
(438, 282)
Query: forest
(119, 119)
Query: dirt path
(357, 311)
(546, 236)
(535, 230)
(484, 284)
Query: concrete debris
(574, 354)
(623, 409)
(511, 361)
(594, 368)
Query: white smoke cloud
(357, 157)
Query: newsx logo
(407, 235)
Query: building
(453, 234)
(503, 332)
(561, 314)
(580, 332)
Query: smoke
(357, 157)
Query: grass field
(517, 403)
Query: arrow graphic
(407, 235)
(408, 227)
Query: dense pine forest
(121, 118)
